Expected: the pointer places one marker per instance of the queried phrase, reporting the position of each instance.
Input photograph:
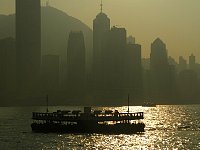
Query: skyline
(176, 23)
(66, 85)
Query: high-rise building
(101, 27)
(114, 53)
(192, 62)
(158, 56)
(130, 40)
(76, 74)
(162, 74)
(134, 70)
(7, 65)
(182, 64)
(188, 86)
(28, 42)
(50, 73)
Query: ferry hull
(121, 128)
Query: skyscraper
(28, 42)
(188, 86)
(192, 62)
(101, 27)
(76, 75)
(114, 53)
(162, 74)
(134, 70)
(50, 73)
(130, 40)
(182, 64)
(7, 65)
(158, 56)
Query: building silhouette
(76, 74)
(193, 65)
(28, 42)
(7, 65)
(134, 73)
(114, 53)
(192, 62)
(130, 40)
(116, 68)
(182, 64)
(50, 73)
(101, 27)
(162, 74)
(158, 56)
(172, 61)
(188, 87)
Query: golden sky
(176, 22)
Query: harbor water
(167, 127)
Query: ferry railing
(82, 116)
(121, 117)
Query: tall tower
(162, 79)
(115, 58)
(28, 42)
(134, 70)
(7, 65)
(182, 64)
(113, 73)
(192, 62)
(101, 26)
(50, 72)
(76, 76)
(158, 56)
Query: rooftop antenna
(101, 6)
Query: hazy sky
(176, 22)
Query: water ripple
(167, 127)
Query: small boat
(106, 122)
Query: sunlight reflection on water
(167, 127)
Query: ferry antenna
(47, 100)
(128, 103)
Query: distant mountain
(56, 26)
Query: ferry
(97, 121)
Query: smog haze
(177, 22)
